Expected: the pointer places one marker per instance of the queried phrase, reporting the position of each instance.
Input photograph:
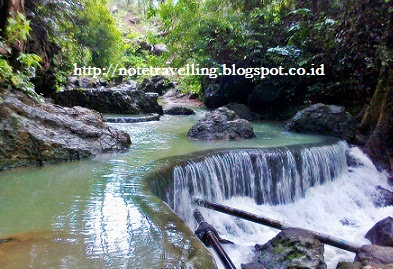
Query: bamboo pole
(210, 238)
(324, 238)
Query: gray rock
(324, 119)
(382, 233)
(179, 110)
(32, 133)
(375, 255)
(243, 111)
(349, 265)
(291, 248)
(382, 197)
(348, 222)
(120, 100)
(221, 124)
(84, 82)
(156, 84)
(370, 257)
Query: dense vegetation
(349, 37)
(60, 32)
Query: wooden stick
(208, 237)
(324, 238)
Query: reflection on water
(96, 214)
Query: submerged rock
(221, 124)
(382, 233)
(382, 197)
(179, 110)
(35, 134)
(243, 111)
(120, 100)
(291, 248)
(324, 119)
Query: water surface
(96, 213)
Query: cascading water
(310, 188)
(269, 176)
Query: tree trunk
(377, 123)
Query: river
(98, 213)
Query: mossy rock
(291, 248)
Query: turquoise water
(96, 213)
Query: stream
(98, 213)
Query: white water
(338, 193)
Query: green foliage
(84, 30)
(190, 84)
(6, 71)
(20, 78)
(342, 35)
(17, 29)
(208, 33)
(97, 33)
(18, 74)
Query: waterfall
(311, 188)
(269, 176)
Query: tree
(377, 123)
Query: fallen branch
(324, 238)
(207, 234)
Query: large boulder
(370, 256)
(33, 133)
(324, 119)
(119, 100)
(179, 110)
(375, 255)
(382, 233)
(221, 124)
(291, 248)
(243, 111)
